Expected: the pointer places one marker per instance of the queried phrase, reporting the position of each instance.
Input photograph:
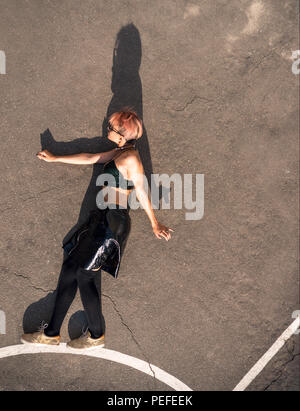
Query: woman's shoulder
(128, 154)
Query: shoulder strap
(119, 153)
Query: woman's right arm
(82, 158)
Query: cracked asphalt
(213, 82)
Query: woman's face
(114, 137)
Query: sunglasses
(110, 128)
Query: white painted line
(263, 361)
(103, 353)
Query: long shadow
(126, 87)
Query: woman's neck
(126, 145)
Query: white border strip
(263, 361)
(98, 352)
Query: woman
(99, 243)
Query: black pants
(71, 278)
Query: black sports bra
(119, 180)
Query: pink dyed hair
(127, 122)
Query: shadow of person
(126, 87)
(38, 312)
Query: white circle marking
(97, 352)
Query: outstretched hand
(46, 156)
(162, 231)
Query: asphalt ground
(213, 82)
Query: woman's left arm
(136, 175)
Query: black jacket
(100, 241)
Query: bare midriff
(117, 195)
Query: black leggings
(71, 277)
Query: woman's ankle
(49, 333)
(95, 336)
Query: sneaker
(40, 337)
(85, 341)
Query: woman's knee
(69, 265)
(67, 274)
(84, 276)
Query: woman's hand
(46, 156)
(161, 231)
